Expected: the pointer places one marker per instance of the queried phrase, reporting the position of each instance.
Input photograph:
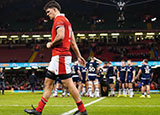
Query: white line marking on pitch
(85, 105)
(73, 110)
(126, 105)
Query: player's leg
(127, 88)
(120, 89)
(79, 86)
(86, 86)
(63, 91)
(131, 90)
(83, 88)
(3, 87)
(48, 83)
(123, 87)
(96, 85)
(74, 92)
(89, 88)
(143, 90)
(55, 87)
(148, 88)
(111, 85)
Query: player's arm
(80, 75)
(134, 74)
(86, 75)
(126, 75)
(58, 39)
(151, 76)
(74, 46)
(139, 73)
(118, 78)
(98, 60)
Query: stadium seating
(15, 54)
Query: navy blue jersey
(83, 72)
(122, 72)
(74, 69)
(146, 72)
(92, 68)
(110, 71)
(130, 70)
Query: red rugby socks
(41, 104)
(80, 106)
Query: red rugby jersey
(63, 49)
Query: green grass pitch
(15, 103)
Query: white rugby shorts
(60, 64)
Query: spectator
(32, 80)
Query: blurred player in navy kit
(146, 75)
(102, 74)
(2, 82)
(130, 78)
(111, 77)
(32, 81)
(76, 76)
(83, 70)
(92, 76)
(121, 75)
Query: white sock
(124, 91)
(112, 91)
(97, 91)
(64, 93)
(90, 91)
(120, 91)
(131, 92)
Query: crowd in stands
(112, 50)
(19, 80)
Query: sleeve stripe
(59, 26)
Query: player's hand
(132, 80)
(49, 45)
(2, 77)
(136, 77)
(81, 61)
(118, 80)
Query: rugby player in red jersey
(62, 39)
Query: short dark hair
(52, 4)
(145, 60)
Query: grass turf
(15, 103)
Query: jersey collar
(60, 15)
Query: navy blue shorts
(83, 81)
(58, 80)
(129, 79)
(76, 79)
(122, 80)
(145, 82)
(92, 78)
(111, 81)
